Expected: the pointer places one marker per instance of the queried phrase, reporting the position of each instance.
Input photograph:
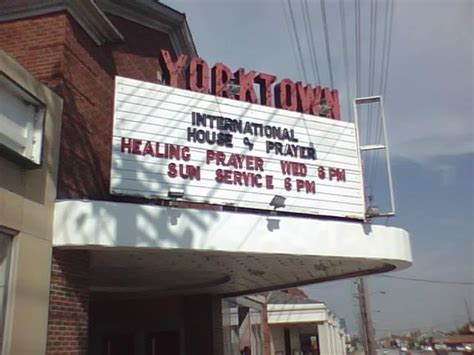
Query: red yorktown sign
(286, 94)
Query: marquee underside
(144, 250)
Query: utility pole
(366, 318)
(469, 318)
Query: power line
(287, 21)
(357, 47)
(368, 126)
(378, 127)
(345, 55)
(464, 283)
(384, 76)
(313, 43)
(389, 46)
(373, 57)
(374, 48)
(384, 47)
(306, 30)
(298, 45)
(326, 40)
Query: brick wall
(57, 51)
(37, 44)
(69, 303)
(88, 91)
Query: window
(5, 251)
(21, 123)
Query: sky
(429, 111)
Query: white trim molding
(114, 224)
(287, 251)
(290, 313)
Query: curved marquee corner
(191, 250)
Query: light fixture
(175, 193)
(278, 201)
(325, 110)
(372, 211)
(234, 88)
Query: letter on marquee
(332, 100)
(285, 95)
(265, 81)
(247, 91)
(198, 76)
(173, 69)
(221, 77)
(305, 96)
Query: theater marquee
(222, 151)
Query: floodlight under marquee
(278, 201)
(175, 193)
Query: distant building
(282, 322)
(464, 343)
(299, 325)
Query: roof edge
(89, 16)
(157, 16)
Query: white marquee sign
(229, 152)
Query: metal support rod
(376, 146)
(387, 157)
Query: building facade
(89, 270)
(299, 325)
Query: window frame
(9, 289)
(26, 151)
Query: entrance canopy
(152, 250)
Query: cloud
(424, 147)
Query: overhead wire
(374, 48)
(306, 30)
(298, 45)
(358, 59)
(368, 121)
(326, 40)
(299, 49)
(389, 47)
(374, 59)
(342, 13)
(463, 283)
(370, 165)
(313, 43)
(372, 66)
(357, 47)
(384, 75)
(298, 69)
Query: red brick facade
(69, 303)
(88, 91)
(38, 44)
(57, 51)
